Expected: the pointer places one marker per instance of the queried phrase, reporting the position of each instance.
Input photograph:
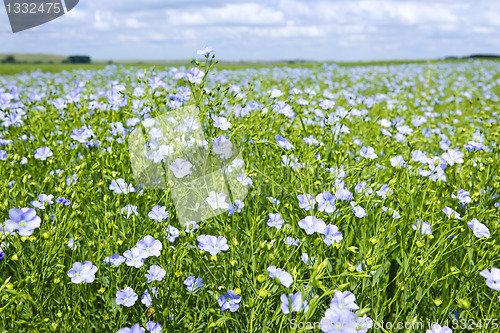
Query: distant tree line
(475, 56)
(10, 59)
(78, 60)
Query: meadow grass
(407, 152)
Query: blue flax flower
(158, 213)
(153, 327)
(306, 201)
(115, 260)
(193, 283)
(43, 153)
(332, 234)
(146, 298)
(155, 273)
(149, 247)
(326, 202)
(492, 278)
(436, 328)
(126, 297)
(451, 213)
(229, 301)
(136, 328)
(212, 244)
(23, 220)
(134, 257)
(275, 221)
(171, 233)
(311, 224)
(479, 229)
(284, 278)
(344, 300)
(293, 303)
(82, 272)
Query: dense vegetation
(372, 196)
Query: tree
(9, 59)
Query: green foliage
(404, 277)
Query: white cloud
(273, 29)
(231, 14)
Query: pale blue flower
(153, 327)
(479, 229)
(146, 298)
(327, 104)
(23, 220)
(405, 129)
(229, 301)
(343, 194)
(129, 210)
(332, 234)
(171, 233)
(212, 244)
(419, 156)
(149, 247)
(136, 328)
(283, 108)
(82, 135)
(43, 153)
(311, 224)
(451, 213)
(275, 93)
(193, 283)
(492, 278)
(384, 190)
(368, 152)
(205, 51)
(217, 200)
(120, 186)
(115, 260)
(181, 168)
(195, 75)
(436, 328)
(284, 278)
(275, 221)
(462, 196)
(398, 161)
(237, 206)
(273, 200)
(155, 273)
(191, 226)
(424, 227)
(82, 272)
(222, 147)
(326, 202)
(359, 211)
(72, 244)
(293, 303)
(310, 140)
(126, 297)
(244, 180)
(158, 213)
(283, 142)
(453, 156)
(306, 201)
(221, 122)
(344, 300)
(338, 320)
(134, 257)
(291, 241)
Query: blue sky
(265, 30)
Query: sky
(349, 30)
